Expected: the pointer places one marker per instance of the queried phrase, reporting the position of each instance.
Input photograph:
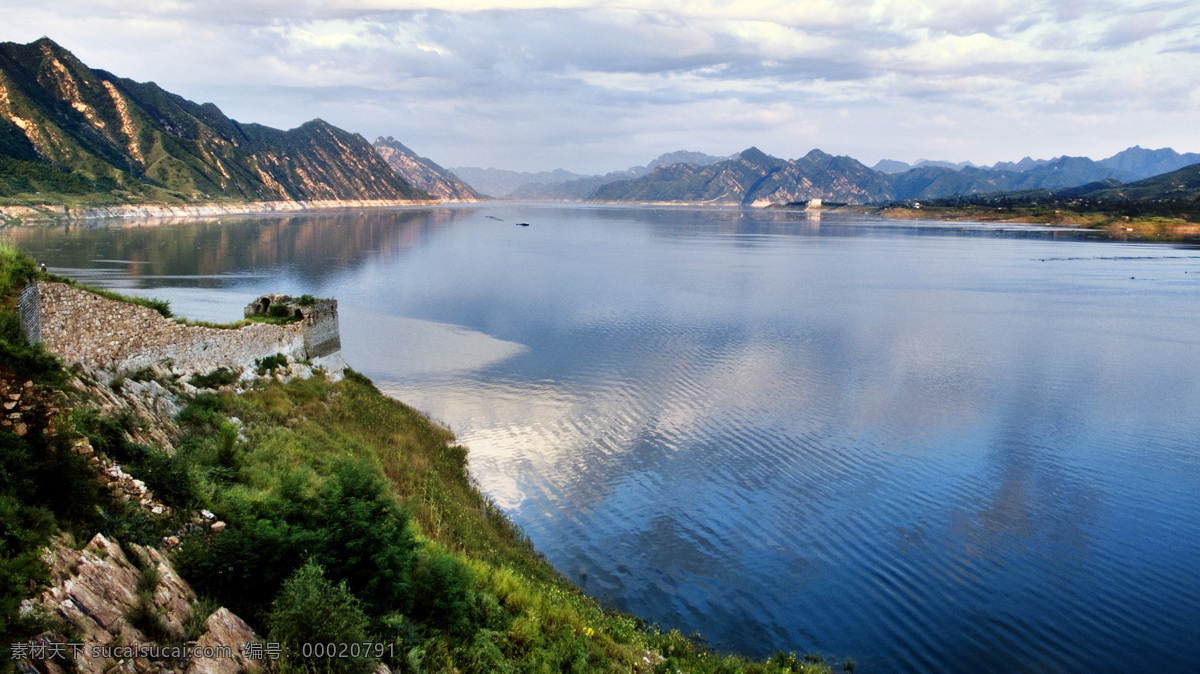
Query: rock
(96, 588)
(224, 629)
(172, 596)
(217, 527)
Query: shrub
(279, 311)
(306, 301)
(268, 364)
(443, 591)
(16, 269)
(202, 412)
(23, 358)
(312, 611)
(143, 374)
(222, 376)
(197, 623)
(227, 451)
(351, 527)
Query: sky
(593, 86)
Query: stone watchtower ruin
(318, 320)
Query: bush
(41, 486)
(312, 611)
(279, 311)
(351, 527)
(23, 358)
(202, 413)
(443, 591)
(267, 365)
(16, 269)
(222, 376)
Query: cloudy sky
(593, 86)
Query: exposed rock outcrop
(99, 594)
(423, 173)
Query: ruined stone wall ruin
(83, 327)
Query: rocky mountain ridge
(424, 173)
(67, 129)
(754, 178)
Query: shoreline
(1116, 227)
(20, 215)
(1120, 228)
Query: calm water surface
(924, 448)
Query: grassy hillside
(351, 517)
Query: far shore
(35, 214)
(1116, 226)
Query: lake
(927, 447)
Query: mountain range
(1133, 163)
(66, 129)
(756, 178)
(560, 185)
(68, 132)
(502, 182)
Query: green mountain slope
(66, 129)
(1182, 185)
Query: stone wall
(83, 327)
(322, 336)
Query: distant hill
(754, 178)
(1132, 163)
(582, 188)
(500, 182)
(932, 182)
(69, 130)
(1172, 195)
(423, 173)
(1142, 163)
(1181, 185)
(893, 166)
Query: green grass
(468, 590)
